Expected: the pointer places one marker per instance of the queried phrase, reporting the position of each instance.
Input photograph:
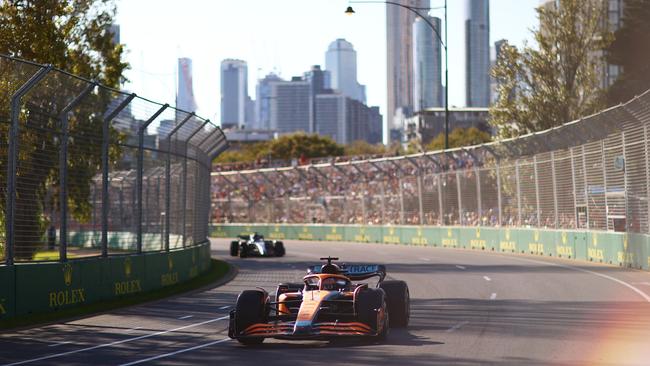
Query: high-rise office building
(185, 93)
(263, 102)
(477, 53)
(234, 93)
(346, 120)
(341, 63)
(291, 106)
(400, 59)
(427, 62)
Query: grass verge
(218, 270)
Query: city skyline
(279, 48)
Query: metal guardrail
(591, 174)
(86, 170)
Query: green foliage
(631, 50)
(75, 37)
(245, 154)
(361, 147)
(300, 144)
(459, 137)
(558, 82)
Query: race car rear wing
(356, 272)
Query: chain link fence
(87, 170)
(592, 174)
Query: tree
(75, 37)
(631, 51)
(360, 147)
(302, 145)
(460, 137)
(558, 82)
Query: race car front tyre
(367, 303)
(243, 251)
(251, 308)
(279, 249)
(398, 301)
(234, 248)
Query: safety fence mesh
(592, 174)
(87, 170)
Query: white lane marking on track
(493, 296)
(185, 317)
(114, 343)
(133, 329)
(58, 344)
(639, 292)
(641, 283)
(457, 326)
(176, 352)
(224, 307)
(425, 259)
(487, 278)
(461, 267)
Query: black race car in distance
(255, 245)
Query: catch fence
(590, 174)
(86, 170)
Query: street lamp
(350, 11)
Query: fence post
(539, 214)
(602, 157)
(573, 186)
(401, 200)
(586, 186)
(383, 200)
(500, 207)
(105, 168)
(460, 199)
(441, 215)
(12, 160)
(168, 182)
(140, 174)
(478, 195)
(63, 170)
(419, 181)
(184, 179)
(647, 173)
(553, 175)
(518, 183)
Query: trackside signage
(67, 292)
(46, 287)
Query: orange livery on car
(326, 305)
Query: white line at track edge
(185, 317)
(620, 282)
(176, 352)
(461, 267)
(493, 296)
(487, 278)
(114, 343)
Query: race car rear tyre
(398, 301)
(243, 251)
(234, 248)
(279, 249)
(251, 308)
(367, 303)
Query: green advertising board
(7, 299)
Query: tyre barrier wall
(622, 249)
(36, 288)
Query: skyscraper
(400, 58)
(185, 93)
(346, 120)
(234, 93)
(341, 62)
(291, 106)
(427, 62)
(477, 53)
(263, 102)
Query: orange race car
(326, 305)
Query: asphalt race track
(468, 308)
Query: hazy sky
(285, 36)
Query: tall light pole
(350, 11)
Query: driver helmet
(330, 269)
